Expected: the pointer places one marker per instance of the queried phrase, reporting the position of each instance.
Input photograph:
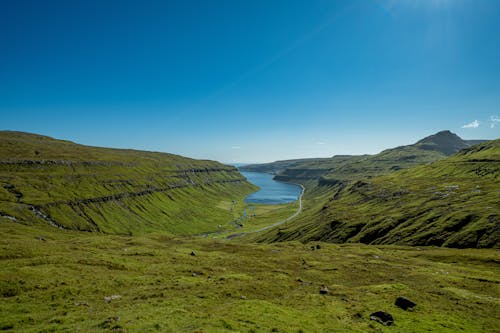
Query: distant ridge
(445, 142)
(340, 169)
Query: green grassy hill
(385, 162)
(311, 172)
(453, 202)
(71, 186)
(279, 166)
(344, 169)
(445, 142)
(132, 274)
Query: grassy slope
(57, 281)
(344, 169)
(452, 202)
(279, 166)
(112, 190)
(308, 173)
(385, 162)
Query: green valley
(319, 166)
(112, 240)
(70, 186)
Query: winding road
(291, 217)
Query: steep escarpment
(70, 186)
(452, 202)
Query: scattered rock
(243, 297)
(404, 303)
(318, 246)
(110, 323)
(323, 290)
(108, 299)
(41, 239)
(193, 274)
(300, 280)
(81, 304)
(382, 317)
(193, 253)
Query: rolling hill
(138, 272)
(452, 202)
(279, 166)
(344, 168)
(71, 186)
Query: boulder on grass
(404, 303)
(382, 317)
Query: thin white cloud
(236, 147)
(494, 120)
(474, 124)
(320, 143)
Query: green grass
(343, 169)
(258, 216)
(113, 190)
(58, 281)
(383, 163)
(280, 166)
(132, 270)
(452, 202)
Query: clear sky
(250, 81)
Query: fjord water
(271, 191)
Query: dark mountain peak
(442, 137)
(445, 142)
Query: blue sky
(250, 81)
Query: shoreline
(260, 188)
(291, 217)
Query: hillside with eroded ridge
(71, 186)
(98, 240)
(452, 202)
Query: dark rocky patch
(382, 317)
(111, 323)
(404, 303)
